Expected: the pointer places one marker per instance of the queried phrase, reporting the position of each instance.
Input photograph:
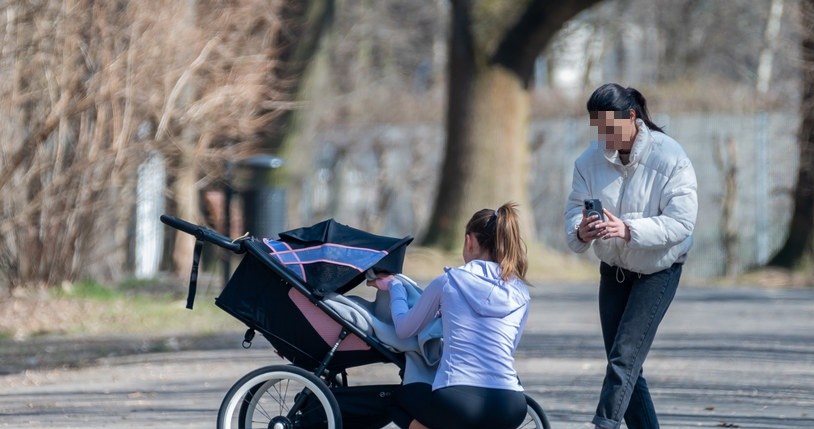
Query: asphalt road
(723, 358)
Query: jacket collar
(641, 147)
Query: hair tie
(492, 219)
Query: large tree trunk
(492, 53)
(798, 249)
(485, 164)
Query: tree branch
(36, 138)
(535, 28)
(169, 105)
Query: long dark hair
(613, 97)
(498, 231)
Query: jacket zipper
(625, 181)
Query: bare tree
(492, 51)
(725, 155)
(218, 93)
(798, 249)
(81, 77)
(771, 38)
(378, 63)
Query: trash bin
(258, 182)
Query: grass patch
(86, 289)
(160, 286)
(89, 308)
(154, 315)
(141, 307)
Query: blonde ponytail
(510, 250)
(499, 232)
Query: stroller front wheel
(279, 396)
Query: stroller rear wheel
(279, 397)
(535, 416)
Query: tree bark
(798, 250)
(491, 62)
(726, 160)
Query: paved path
(723, 358)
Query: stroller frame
(316, 384)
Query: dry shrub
(89, 89)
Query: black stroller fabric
(258, 297)
(362, 407)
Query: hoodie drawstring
(621, 272)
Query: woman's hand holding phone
(589, 228)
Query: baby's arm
(409, 321)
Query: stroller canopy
(332, 257)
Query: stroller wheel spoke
(279, 396)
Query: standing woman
(647, 186)
(484, 307)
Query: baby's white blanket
(422, 352)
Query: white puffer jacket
(655, 194)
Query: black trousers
(454, 407)
(631, 307)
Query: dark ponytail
(613, 97)
(498, 231)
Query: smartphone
(593, 207)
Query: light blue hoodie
(483, 318)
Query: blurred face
(617, 129)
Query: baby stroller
(283, 289)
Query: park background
(115, 112)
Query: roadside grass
(154, 315)
(88, 308)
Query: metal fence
(384, 178)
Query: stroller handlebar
(202, 233)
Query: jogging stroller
(285, 289)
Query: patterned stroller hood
(332, 257)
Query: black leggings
(464, 407)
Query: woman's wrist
(580, 238)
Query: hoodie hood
(485, 292)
